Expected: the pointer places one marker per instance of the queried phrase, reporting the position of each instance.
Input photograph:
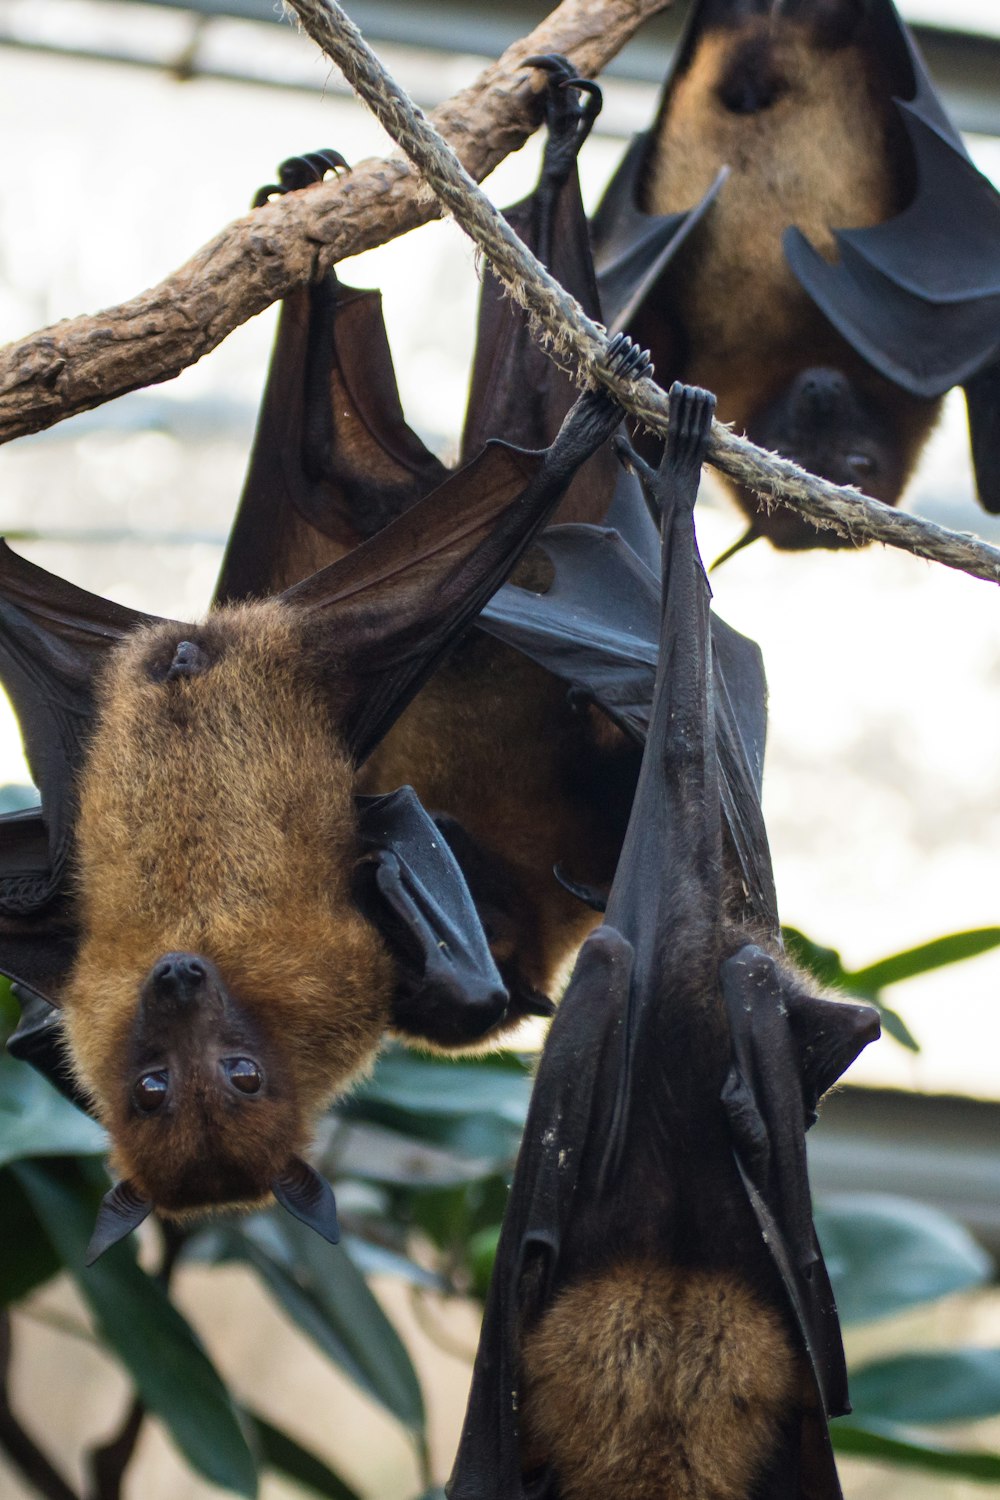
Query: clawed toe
(299, 172)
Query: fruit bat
(659, 1320)
(224, 928)
(802, 232)
(521, 776)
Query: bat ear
(122, 1210)
(308, 1197)
(411, 886)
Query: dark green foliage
(428, 1145)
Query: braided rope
(567, 331)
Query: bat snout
(180, 980)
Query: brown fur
(216, 818)
(823, 155)
(647, 1381)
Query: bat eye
(150, 1092)
(244, 1074)
(860, 465)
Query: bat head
(207, 1111)
(826, 422)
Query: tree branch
(569, 332)
(82, 362)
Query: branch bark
(82, 362)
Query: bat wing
(598, 626)
(633, 249)
(333, 459)
(780, 1067)
(53, 638)
(915, 296)
(39, 1041)
(450, 990)
(572, 1104)
(517, 392)
(393, 606)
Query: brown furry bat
(227, 933)
(784, 121)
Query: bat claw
(303, 171)
(569, 118)
(625, 359)
(691, 412)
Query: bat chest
(806, 140)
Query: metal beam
(965, 65)
(939, 1150)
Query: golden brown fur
(216, 817)
(823, 155)
(648, 1382)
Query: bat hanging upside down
(226, 930)
(803, 233)
(660, 1324)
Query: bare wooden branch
(567, 331)
(82, 362)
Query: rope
(567, 331)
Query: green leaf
(27, 1257)
(922, 960)
(326, 1296)
(285, 1456)
(482, 1254)
(884, 1442)
(887, 1253)
(822, 962)
(893, 1023)
(827, 966)
(35, 1119)
(135, 1318)
(424, 1085)
(961, 1385)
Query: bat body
(659, 1320)
(225, 928)
(780, 234)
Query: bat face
(225, 985)
(827, 424)
(208, 1111)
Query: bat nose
(821, 390)
(179, 978)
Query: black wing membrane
(333, 459)
(666, 1118)
(597, 627)
(449, 988)
(516, 391)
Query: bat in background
(802, 232)
(225, 931)
(660, 1321)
